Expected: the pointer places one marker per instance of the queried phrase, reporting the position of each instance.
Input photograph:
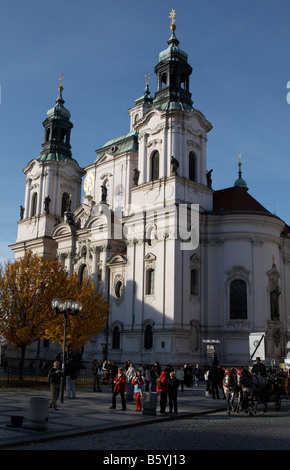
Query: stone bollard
(129, 394)
(38, 412)
(149, 403)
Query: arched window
(63, 135)
(194, 282)
(192, 166)
(83, 273)
(155, 166)
(148, 337)
(238, 300)
(150, 281)
(65, 203)
(163, 81)
(33, 204)
(116, 338)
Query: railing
(9, 377)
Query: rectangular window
(194, 282)
(150, 281)
(238, 300)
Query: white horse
(230, 388)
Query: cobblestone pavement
(215, 431)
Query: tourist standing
(119, 387)
(54, 379)
(173, 384)
(162, 388)
(138, 382)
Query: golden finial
(147, 77)
(60, 80)
(172, 17)
(240, 163)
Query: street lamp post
(69, 307)
(210, 344)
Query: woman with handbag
(138, 382)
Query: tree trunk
(21, 363)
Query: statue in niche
(104, 193)
(175, 166)
(21, 212)
(209, 178)
(47, 200)
(274, 303)
(68, 204)
(136, 177)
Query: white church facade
(180, 263)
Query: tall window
(116, 338)
(238, 300)
(83, 273)
(155, 166)
(150, 281)
(65, 203)
(194, 282)
(148, 337)
(192, 166)
(33, 204)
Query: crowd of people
(144, 378)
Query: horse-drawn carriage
(251, 390)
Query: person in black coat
(173, 384)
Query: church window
(47, 134)
(33, 204)
(116, 338)
(192, 166)
(155, 166)
(148, 337)
(194, 282)
(63, 135)
(83, 273)
(238, 300)
(150, 281)
(163, 80)
(183, 82)
(119, 289)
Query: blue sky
(240, 54)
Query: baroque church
(183, 266)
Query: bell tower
(173, 72)
(53, 184)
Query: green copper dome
(240, 181)
(59, 111)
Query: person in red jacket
(138, 382)
(119, 387)
(162, 388)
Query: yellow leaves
(89, 322)
(27, 288)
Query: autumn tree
(89, 321)
(27, 287)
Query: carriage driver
(259, 368)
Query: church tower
(161, 312)
(53, 185)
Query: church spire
(173, 72)
(240, 181)
(57, 129)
